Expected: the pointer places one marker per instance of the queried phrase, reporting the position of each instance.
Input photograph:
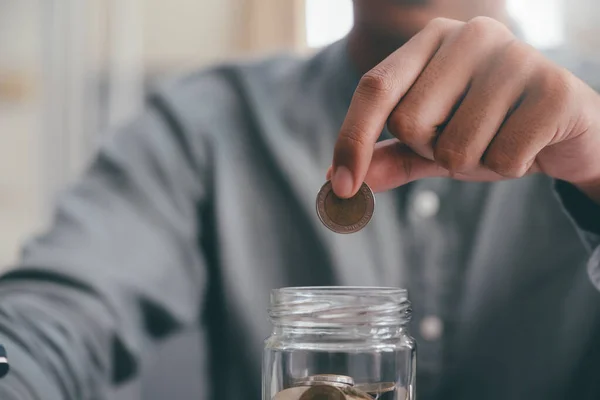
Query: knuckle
(440, 26)
(512, 62)
(517, 52)
(518, 58)
(483, 23)
(406, 127)
(485, 28)
(479, 26)
(378, 81)
(556, 86)
(452, 160)
(439, 23)
(504, 165)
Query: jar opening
(339, 306)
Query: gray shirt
(191, 214)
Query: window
(541, 21)
(327, 21)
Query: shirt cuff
(24, 372)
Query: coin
(376, 388)
(352, 393)
(345, 215)
(291, 393)
(326, 379)
(323, 392)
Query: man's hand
(469, 101)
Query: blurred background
(72, 69)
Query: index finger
(376, 96)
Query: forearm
(119, 263)
(58, 341)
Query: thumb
(395, 164)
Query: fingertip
(342, 182)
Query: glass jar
(339, 343)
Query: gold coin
(293, 393)
(323, 392)
(345, 215)
(376, 388)
(353, 393)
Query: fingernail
(329, 172)
(342, 182)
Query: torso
(500, 264)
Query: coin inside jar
(376, 388)
(345, 215)
(353, 393)
(326, 379)
(323, 392)
(293, 393)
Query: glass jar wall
(339, 343)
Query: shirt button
(431, 328)
(426, 204)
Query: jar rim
(354, 290)
(328, 306)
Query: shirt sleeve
(585, 214)
(118, 268)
